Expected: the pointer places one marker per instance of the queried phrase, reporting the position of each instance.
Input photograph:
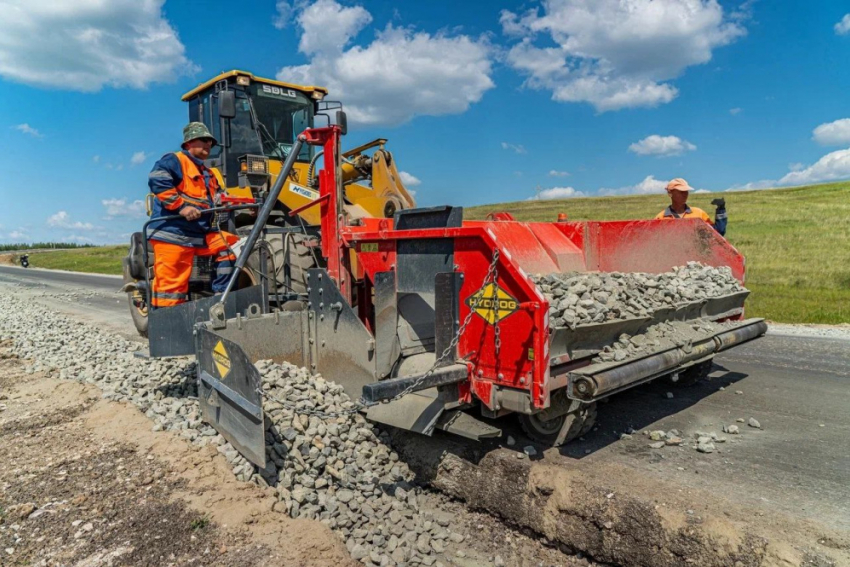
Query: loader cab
(255, 121)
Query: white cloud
(833, 166)
(63, 220)
(402, 73)
(86, 44)
(518, 148)
(735, 111)
(753, 185)
(327, 26)
(16, 236)
(661, 146)
(843, 27)
(409, 180)
(556, 173)
(29, 130)
(650, 185)
(616, 54)
(96, 159)
(557, 193)
(121, 208)
(833, 133)
(139, 158)
(78, 238)
(284, 13)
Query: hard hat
(195, 130)
(679, 184)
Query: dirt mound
(9, 259)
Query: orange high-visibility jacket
(179, 180)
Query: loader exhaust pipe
(588, 384)
(217, 311)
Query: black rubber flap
(229, 387)
(170, 329)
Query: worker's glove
(719, 202)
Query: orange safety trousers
(173, 267)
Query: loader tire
(562, 429)
(299, 256)
(139, 314)
(692, 374)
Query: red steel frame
(355, 253)
(524, 334)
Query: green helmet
(195, 130)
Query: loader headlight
(243, 80)
(255, 164)
(317, 95)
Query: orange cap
(679, 184)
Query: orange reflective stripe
(196, 202)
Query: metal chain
(492, 274)
(361, 404)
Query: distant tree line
(42, 245)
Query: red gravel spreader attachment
(430, 321)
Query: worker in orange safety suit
(678, 190)
(184, 186)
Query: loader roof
(235, 72)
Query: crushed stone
(583, 298)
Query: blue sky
(482, 101)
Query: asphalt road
(798, 389)
(798, 463)
(91, 297)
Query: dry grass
(796, 241)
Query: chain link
(492, 275)
(361, 404)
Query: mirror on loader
(227, 104)
(342, 122)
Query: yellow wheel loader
(256, 121)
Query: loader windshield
(282, 114)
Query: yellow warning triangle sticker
(221, 359)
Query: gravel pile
(583, 298)
(338, 470)
(661, 335)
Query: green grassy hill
(796, 241)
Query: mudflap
(170, 329)
(229, 391)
